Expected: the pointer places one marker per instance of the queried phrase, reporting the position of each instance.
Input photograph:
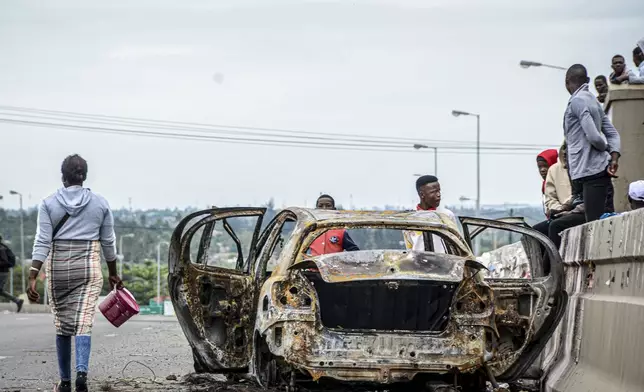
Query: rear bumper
(382, 357)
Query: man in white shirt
(429, 192)
(637, 76)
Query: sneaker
(20, 303)
(81, 382)
(63, 386)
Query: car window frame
(268, 241)
(444, 232)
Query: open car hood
(388, 264)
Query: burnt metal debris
(372, 317)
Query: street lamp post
(22, 242)
(130, 235)
(159, 267)
(528, 64)
(421, 146)
(457, 113)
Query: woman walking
(73, 225)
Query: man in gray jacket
(593, 143)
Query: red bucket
(119, 306)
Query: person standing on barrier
(593, 144)
(73, 225)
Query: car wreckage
(381, 315)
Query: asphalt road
(28, 353)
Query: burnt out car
(251, 299)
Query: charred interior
(411, 305)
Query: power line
(254, 141)
(259, 131)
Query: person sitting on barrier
(545, 159)
(637, 76)
(557, 190)
(636, 195)
(573, 213)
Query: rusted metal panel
(389, 264)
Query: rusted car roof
(320, 215)
(350, 216)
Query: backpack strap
(59, 225)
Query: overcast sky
(384, 68)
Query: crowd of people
(577, 180)
(621, 73)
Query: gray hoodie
(90, 219)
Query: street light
(421, 146)
(22, 243)
(159, 267)
(457, 113)
(528, 64)
(130, 235)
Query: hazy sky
(385, 68)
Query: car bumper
(376, 356)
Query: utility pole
(478, 166)
(457, 113)
(435, 161)
(122, 255)
(159, 268)
(421, 146)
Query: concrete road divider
(599, 344)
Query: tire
(265, 364)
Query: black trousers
(542, 227)
(560, 224)
(597, 191)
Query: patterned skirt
(75, 281)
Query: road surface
(28, 352)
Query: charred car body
(380, 315)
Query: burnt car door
(211, 257)
(525, 272)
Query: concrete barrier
(599, 345)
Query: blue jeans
(64, 351)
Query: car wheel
(197, 362)
(265, 364)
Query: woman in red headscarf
(546, 159)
